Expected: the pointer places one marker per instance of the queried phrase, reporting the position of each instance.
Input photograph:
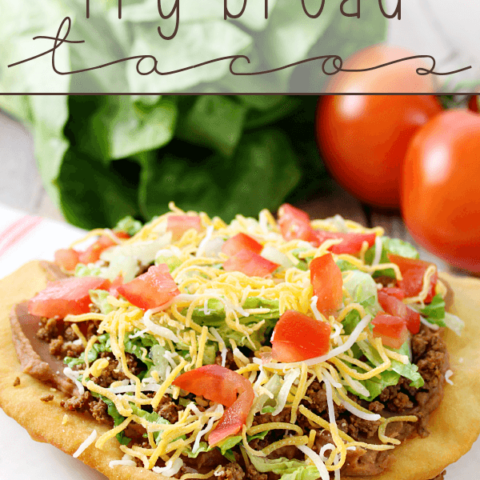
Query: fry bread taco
(257, 350)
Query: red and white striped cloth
(24, 237)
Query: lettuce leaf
(393, 246)
(409, 371)
(435, 311)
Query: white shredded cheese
(218, 409)
(169, 470)
(90, 439)
(203, 243)
(224, 356)
(313, 307)
(157, 329)
(317, 461)
(378, 250)
(371, 417)
(448, 374)
(69, 373)
(288, 380)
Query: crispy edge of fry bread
(454, 427)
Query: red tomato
(179, 224)
(113, 288)
(352, 242)
(392, 330)
(364, 139)
(250, 264)
(413, 272)
(67, 258)
(92, 253)
(64, 297)
(394, 292)
(397, 308)
(121, 234)
(295, 224)
(297, 337)
(473, 103)
(241, 242)
(221, 385)
(153, 289)
(440, 189)
(327, 282)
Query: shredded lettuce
(231, 442)
(171, 261)
(393, 246)
(345, 266)
(90, 270)
(283, 466)
(363, 290)
(129, 225)
(409, 370)
(454, 323)
(435, 311)
(99, 299)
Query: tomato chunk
(297, 337)
(221, 385)
(394, 292)
(67, 259)
(152, 289)
(392, 330)
(179, 224)
(327, 282)
(413, 272)
(92, 253)
(295, 224)
(250, 263)
(241, 242)
(397, 308)
(67, 296)
(351, 242)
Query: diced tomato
(397, 308)
(179, 224)
(67, 259)
(241, 242)
(351, 242)
(92, 253)
(250, 263)
(297, 337)
(153, 289)
(221, 385)
(294, 224)
(64, 297)
(392, 330)
(121, 234)
(327, 282)
(394, 292)
(113, 288)
(413, 272)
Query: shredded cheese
(85, 444)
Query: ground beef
(168, 409)
(233, 471)
(113, 372)
(88, 403)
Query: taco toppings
(295, 350)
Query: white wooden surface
(20, 183)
